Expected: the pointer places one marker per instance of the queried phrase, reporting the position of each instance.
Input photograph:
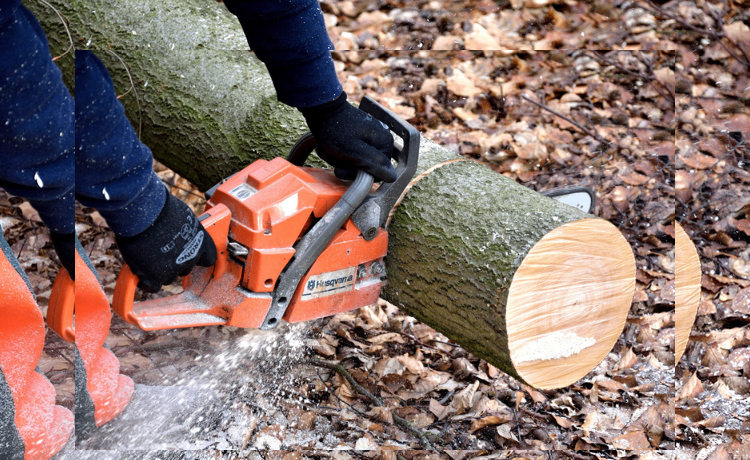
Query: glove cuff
(65, 247)
(315, 115)
(141, 212)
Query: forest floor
(658, 127)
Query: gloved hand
(171, 246)
(65, 247)
(350, 139)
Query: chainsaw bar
(578, 197)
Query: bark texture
(455, 241)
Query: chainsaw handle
(215, 221)
(373, 212)
(302, 149)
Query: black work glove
(350, 139)
(171, 246)
(65, 247)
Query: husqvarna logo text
(329, 283)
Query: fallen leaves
(691, 389)
(635, 440)
(460, 85)
(465, 399)
(441, 411)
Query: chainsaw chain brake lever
(373, 212)
(368, 211)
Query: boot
(32, 427)
(101, 391)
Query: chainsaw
(293, 243)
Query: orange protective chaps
(101, 391)
(32, 427)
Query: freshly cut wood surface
(568, 302)
(687, 289)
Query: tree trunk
(537, 288)
(687, 289)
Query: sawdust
(553, 346)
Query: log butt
(687, 289)
(568, 302)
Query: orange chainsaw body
(255, 218)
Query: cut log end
(687, 289)
(568, 302)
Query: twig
(419, 342)
(729, 152)
(62, 355)
(375, 400)
(447, 397)
(575, 456)
(445, 343)
(349, 405)
(570, 120)
(23, 245)
(344, 373)
(709, 32)
(132, 86)
(67, 31)
(518, 428)
(375, 419)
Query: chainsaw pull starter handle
(373, 212)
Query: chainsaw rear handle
(373, 212)
(215, 222)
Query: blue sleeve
(36, 121)
(290, 37)
(113, 168)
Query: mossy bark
(455, 241)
